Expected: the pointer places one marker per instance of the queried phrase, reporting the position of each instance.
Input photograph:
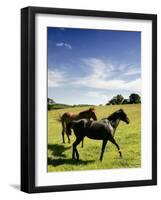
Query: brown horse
(68, 117)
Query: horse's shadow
(61, 161)
(60, 157)
(58, 150)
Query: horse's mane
(113, 115)
(88, 110)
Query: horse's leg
(63, 131)
(68, 137)
(82, 142)
(77, 141)
(68, 131)
(103, 148)
(114, 142)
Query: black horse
(98, 130)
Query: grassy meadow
(128, 136)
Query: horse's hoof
(120, 154)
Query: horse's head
(92, 113)
(88, 114)
(123, 116)
(92, 109)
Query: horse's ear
(92, 109)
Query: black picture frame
(28, 98)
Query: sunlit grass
(127, 136)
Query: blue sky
(87, 66)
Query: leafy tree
(118, 99)
(134, 98)
(112, 101)
(126, 101)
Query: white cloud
(133, 85)
(96, 94)
(132, 71)
(62, 44)
(98, 68)
(99, 97)
(99, 76)
(55, 78)
(59, 44)
(129, 70)
(68, 46)
(62, 29)
(123, 67)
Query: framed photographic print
(88, 99)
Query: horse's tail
(59, 119)
(65, 126)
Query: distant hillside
(58, 106)
(54, 105)
(51, 101)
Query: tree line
(116, 100)
(119, 99)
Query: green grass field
(128, 136)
